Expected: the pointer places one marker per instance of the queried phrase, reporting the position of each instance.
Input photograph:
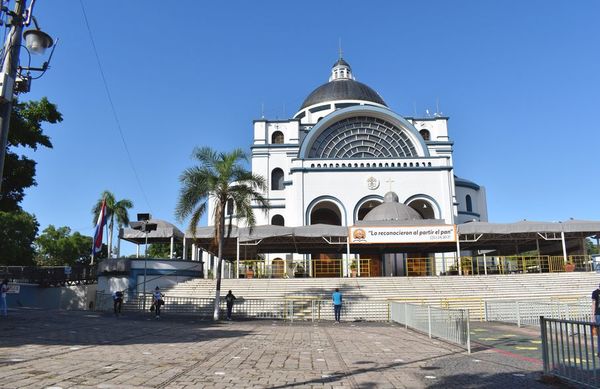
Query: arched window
(425, 134)
(277, 137)
(277, 179)
(229, 210)
(469, 203)
(277, 220)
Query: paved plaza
(79, 349)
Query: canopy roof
(503, 238)
(163, 233)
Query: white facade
(345, 149)
(318, 171)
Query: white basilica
(337, 157)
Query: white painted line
(325, 376)
(431, 377)
(16, 360)
(518, 375)
(74, 348)
(398, 360)
(235, 357)
(219, 373)
(147, 353)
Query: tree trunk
(218, 275)
(109, 237)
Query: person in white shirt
(157, 300)
(3, 292)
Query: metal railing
(451, 325)
(569, 351)
(513, 264)
(291, 308)
(51, 275)
(524, 312)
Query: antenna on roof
(262, 110)
(340, 48)
(437, 108)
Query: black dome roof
(342, 89)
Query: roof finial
(340, 47)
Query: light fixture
(37, 41)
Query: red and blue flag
(97, 244)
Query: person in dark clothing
(229, 299)
(596, 314)
(117, 302)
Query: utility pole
(12, 47)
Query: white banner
(403, 234)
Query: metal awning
(503, 238)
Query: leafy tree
(592, 248)
(57, 247)
(219, 177)
(17, 232)
(114, 209)
(25, 131)
(17, 227)
(163, 250)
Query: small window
(277, 137)
(469, 203)
(425, 134)
(229, 207)
(277, 179)
(277, 220)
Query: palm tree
(219, 176)
(114, 209)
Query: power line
(112, 107)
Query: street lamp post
(11, 79)
(143, 224)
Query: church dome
(345, 89)
(342, 86)
(391, 209)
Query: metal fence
(291, 308)
(523, 312)
(77, 274)
(451, 325)
(569, 350)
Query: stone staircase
(514, 286)
(448, 291)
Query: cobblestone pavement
(78, 349)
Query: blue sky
(519, 81)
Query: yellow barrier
(331, 267)
(512, 264)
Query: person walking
(337, 304)
(117, 302)
(596, 314)
(229, 299)
(157, 300)
(3, 293)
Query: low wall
(67, 297)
